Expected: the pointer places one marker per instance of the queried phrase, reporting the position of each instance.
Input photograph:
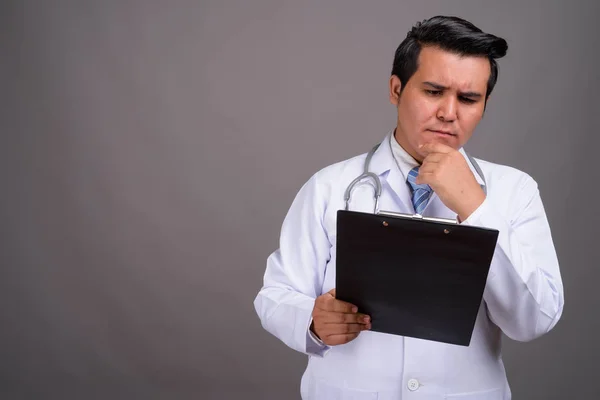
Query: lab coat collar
(384, 165)
(473, 170)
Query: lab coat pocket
(492, 394)
(320, 389)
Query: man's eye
(467, 100)
(433, 92)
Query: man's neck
(406, 147)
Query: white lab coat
(523, 296)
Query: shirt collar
(405, 161)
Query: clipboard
(414, 276)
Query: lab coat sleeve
(524, 291)
(295, 271)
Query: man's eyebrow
(471, 94)
(437, 86)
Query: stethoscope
(375, 179)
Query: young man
(443, 73)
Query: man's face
(443, 101)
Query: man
(443, 74)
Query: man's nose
(447, 110)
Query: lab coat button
(413, 385)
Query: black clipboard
(415, 277)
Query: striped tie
(420, 193)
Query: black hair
(452, 34)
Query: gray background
(150, 150)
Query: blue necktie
(420, 193)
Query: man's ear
(395, 89)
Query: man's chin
(448, 140)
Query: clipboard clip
(417, 217)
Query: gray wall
(150, 150)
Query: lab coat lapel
(392, 181)
(473, 170)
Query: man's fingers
(434, 158)
(435, 147)
(427, 168)
(425, 177)
(340, 306)
(342, 329)
(345, 318)
(328, 303)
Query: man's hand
(337, 322)
(448, 174)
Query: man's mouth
(441, 132)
